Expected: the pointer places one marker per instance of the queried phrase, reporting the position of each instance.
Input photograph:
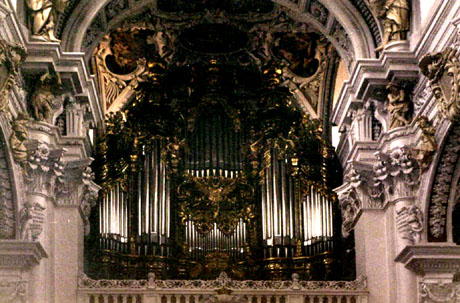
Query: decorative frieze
(16, 254)
(439, 292)
(431, 261)
(14, 291)
(223, 282)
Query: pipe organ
(213, 183)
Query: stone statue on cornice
(43, 15)
(399, 106)
(46, 98)
(395, 16)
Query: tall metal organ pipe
(279, 216)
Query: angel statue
(43, 15)
(395, 16)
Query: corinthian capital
(43, 167)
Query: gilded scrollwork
(443, 71)
(209, 200)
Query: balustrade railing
(223, 289)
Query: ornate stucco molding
(13, 291)
(393, 178)
(426, 259)
(11, 58)
(439, 292)
(437, 208)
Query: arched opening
(217, 155)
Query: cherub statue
(44, 97)
(43, 15)
(398, 105)
(427, 146)
(395, 16)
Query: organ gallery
(208, 163)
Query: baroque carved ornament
(394, 176)
(11, 58)
(443, 71)
(223, 282)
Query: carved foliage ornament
(439, 292)
(437, 211)
(43, 168)
(443, 71)
(7, 210)
(223, 281)
(409, 221)
(13, 291)
(11, 58)
(31, 220)
(351, 207)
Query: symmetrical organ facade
(229, 151)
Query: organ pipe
(278, 216)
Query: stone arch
(444, 189)
(82, 20)
(9, 190)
